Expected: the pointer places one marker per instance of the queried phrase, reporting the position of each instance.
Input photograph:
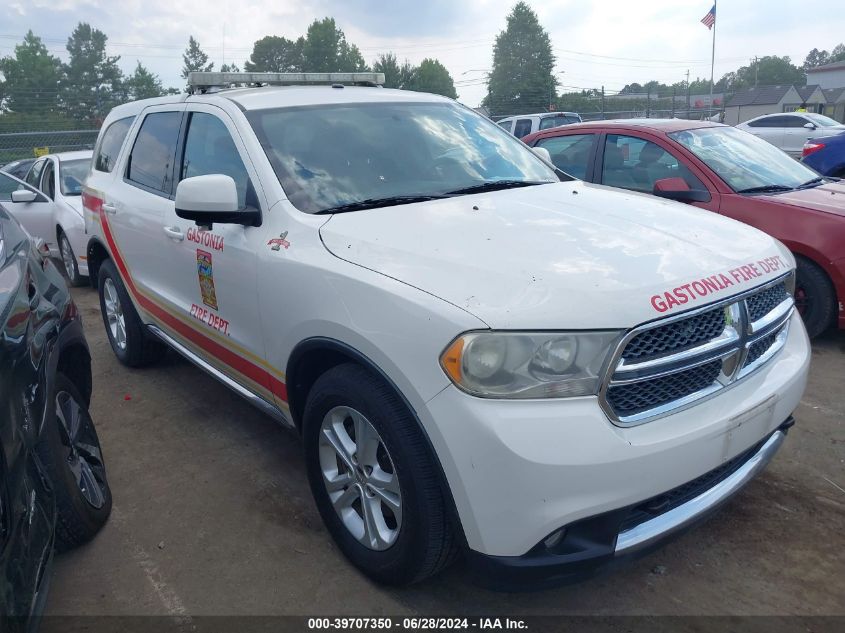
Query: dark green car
(53, 488)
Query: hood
(829, 197)
(558, 256)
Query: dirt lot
(213, 515)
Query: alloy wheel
(114, 314)
(67, 258)
(360, 478)
(84, 457)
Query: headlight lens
(529, 364)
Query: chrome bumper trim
(678, 518)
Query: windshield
(72, 175)
(743, 160)
(821, 120)
(331, 156)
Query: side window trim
(170, 194)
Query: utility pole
(648, 102)
(602, 102)
(756, 67)
(673, 101)
(687, 91)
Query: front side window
(794, 121)
(209, 149)
(48, 180)
(523, 128)
(72, 175)
(635, 163)
(744, 161)
(34, 176)
(570, 153)
(332, 155)
(151, 161)
(111, 143)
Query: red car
(722, 169)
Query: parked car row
(727, 171)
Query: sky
(607, 43)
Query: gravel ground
(213, 516)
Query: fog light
(554, 538)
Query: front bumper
(521, 470)
(603, 541)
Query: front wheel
(374, 479)
(814, 297)
(69, 261)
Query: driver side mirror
(678, 189)
(543, 153)
(24, 195)
(213, 199)
(810, 126)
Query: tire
(72, 459)
(69, 261)
(130, 341)
(421, 538)
(814, 297)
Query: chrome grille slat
(668, 365)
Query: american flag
(710, 19)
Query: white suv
(481, 354)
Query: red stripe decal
(227, 356)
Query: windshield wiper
(765, 188)
(374, 203)
(494, 185)
(811, 183)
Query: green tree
(432, 76)
(142, 84)
(769, 70)
(325, 49)
(521, 80)
(395, 75)
(274, 54)
(837, 54)
(92, 82)
(816, 58)
(194, 59)
(31, 78)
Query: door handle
(109, 208)
(174, 233)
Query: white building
(828, 76)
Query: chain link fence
(20, 145)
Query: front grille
(666, 365)
(638, 396)
(760, 347)
(760, 304)
(677, 336)
(663, 503)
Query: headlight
(529, 364)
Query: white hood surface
(566, 255)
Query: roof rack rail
(203, 81)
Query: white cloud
(459, 33)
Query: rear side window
(772, 121)
(523, 128)
(111, 143)
(506, 125)
(151, 161)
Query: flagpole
(713, 56)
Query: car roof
(542, 115)
(283, 96)
(77, 155)
(662, 125)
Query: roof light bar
(202, 81)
